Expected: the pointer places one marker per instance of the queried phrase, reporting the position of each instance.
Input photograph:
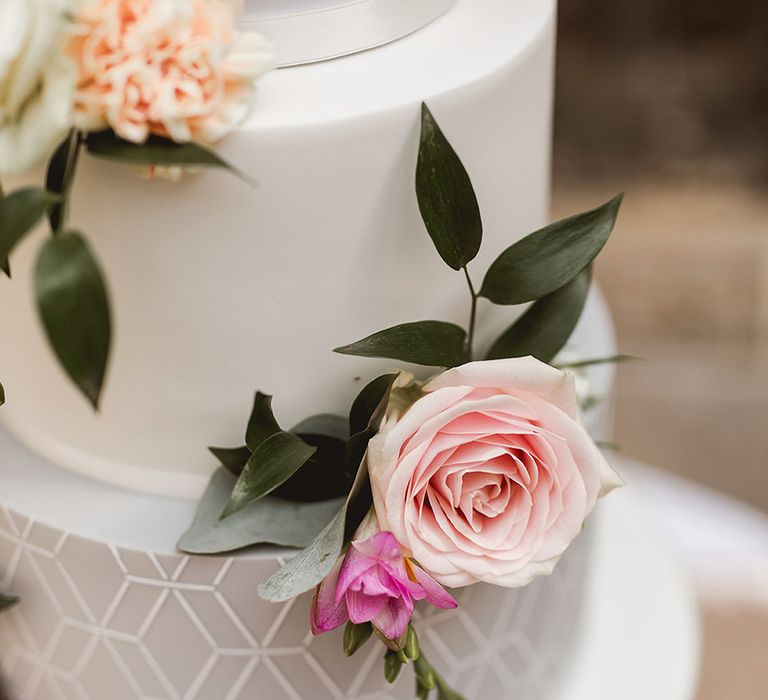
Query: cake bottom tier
(99, 621)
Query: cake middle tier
(220, 288)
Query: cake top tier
(304, 31)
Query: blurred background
(669, 102)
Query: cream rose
(490, 475)
(36, 81)
(173, 68)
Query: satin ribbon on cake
(305, 31)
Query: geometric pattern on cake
(98, 622)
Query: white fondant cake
(219, 289)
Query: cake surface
(484, 475)
(219, 289)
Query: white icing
(220, 288)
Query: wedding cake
(246, 278)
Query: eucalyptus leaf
(7, 602)
(155, 151)
(430, 343)
(446, 198)
(269, 521)
(74, 308)
(272, 463)
(550, 258)
(544, 329)
(20, 212)
(310, 566)
(262, 423)
(233, 459)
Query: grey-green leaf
(74, 308)
(548, 259)
(308, 567)
(430, 343)
(272, 463)
(20, 212)
(544, 329)
(262, 423)
(269, 521)
(314, 563)
(446, 198)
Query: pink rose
(490, 475)
(173, 68)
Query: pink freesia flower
(375, 583)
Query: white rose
(37, 81)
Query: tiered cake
(219, 289)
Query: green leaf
(323, 477)
(446, 198)
(548, 259)
(7, 602)
(445, 692)
(323, 424)
(262, 423)
(368, 402)
(425, 673)
(411, 648)
(368, 416)
(272, 463)
(20, 212)
(592, 362)
(355, 636)
(431, 343)
(233, 459)
(392, 666)
(268, 521)
(156, 151)
(61, 171)
(545, 328)
(74, 308)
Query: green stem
(472, 315)
(73, 157)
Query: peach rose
(173, 68)
(490, 475)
